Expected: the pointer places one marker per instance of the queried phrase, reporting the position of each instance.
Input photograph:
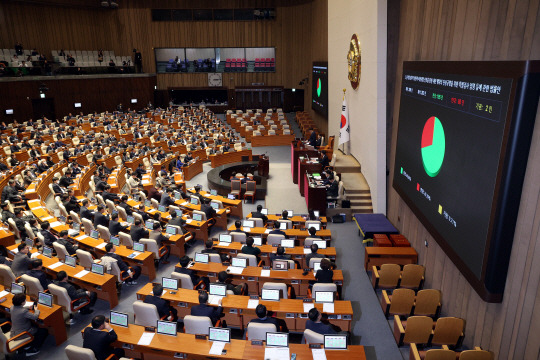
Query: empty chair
(125, 239)
(79, 353)
(431, 354)
(284, 292)
(85, 259)
(257, 331)
(412, 276)
(323, 287)
(152, 246)
(104, 232)
(197, 324)
(448, 331)
(215, 258)
(251, 189)
(427, 302)
(236, 187)
(185, 281)
(274, 239)
(387, 277)
(258, 222)
(75, 217)
(417, 329)
(311, 337)
(399, 303)
(145, 314)
(476, 354)
(238, 237)
(110, 205)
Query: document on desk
(217, 348)
(3, 293)
(145, 182)
(265, 273)
(80, 274)
(307, 251)
(101, 246)
(188, 221)
(235, 270)
(308, 306)
(318, 354)
(184, 203)
(82, 237)
(328, 308)
(47, 218)
(214, 299)
(223, 244)
(276, 353)
(55, 265)
(56, 223)
(267, 231)
(146, 338)
(134, 254)
(252, 303)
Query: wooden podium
(264, 165)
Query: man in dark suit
(141, 212)
(163, 307)
(257, 214)
(123, 203)
(84, 212)
(166, 198)
(203, 309)
(47, 234)
(134, 271)
(183, 269)
(324, 160)
(74, 293)
(115, 227)
(209, 211)
(108, 195)
(57, 189)
(100, 218)
(263, 318)
(313, 138)
(138, 232)
(63, 240)
(320, 324)
(277, 231)
(280, 254)
(38, 273)
(332, 188)
(100, 341)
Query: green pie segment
(319, 85)
(433, 146)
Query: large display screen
(319, 88)
(452, 160)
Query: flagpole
(343, 150)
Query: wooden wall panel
(478, 30)
(292, 34)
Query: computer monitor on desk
(320, 243)
(115, 240)
(98, 269)
(270, 294)
(248, 224)
(264, 211)
(202, 258)
(257, 241)
(218, 289)
(277, 339)
(225, 238)
(118, 319)
(166, 327)
(317, 226)
(47, 251)
(45, 299)
(219, 334)
(169, 283)
(335, 342)
(324, 297)
(139, 247)
(239, 262)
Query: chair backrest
(288, 222)
(252, 259)
(13, 227)
(310, 223)
(145, 314)
(314, 260)
(323, 287)
(418, 329)
(33, 286)
(251, 185)
(103, 232)
(185, 280)
(100, 199)
(440, 354)
(258, 222)
(220, 204)
(63, 210)
(88, 226)
(236, 185)
(257, 331)
(125, 239)
(238, 237)
(79, 353)
(312, 337)
(476, 355)
(197, 324)
(447, 331)
(85, 258)
(427, 302)
(309, 241)
(61, 297)
(110, 205)
(202, 213)
(389, 275)
(29, 231)
(6, 275)
(411, 276)
(402, 302)
(61, 251)
(122, 212)
(215, 258)
(274, 239)
(277, 286)
(75, 217)
(151, 245)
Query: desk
(228, 157)
(300, 219)
(305, 166)
(191, 170)
(52, 317)
(315, 194)
(376, 256)
(303, 352)
(252, 275)
(298, 149)
(234, 205)
(300, 235)
(237, 313)
(7, 238)
(271, 140)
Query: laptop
(202, 258)
(213, 192)
(324, 297)
(280, 265)
(270, 294)
(118, 319)
(231, 197)
(17, 289)
(177, 195)
(149, 224)
(224, 239)
(194, 201)
(170, 229)
(179, 212)
(248, 223)
(147, 203)
(166, 327)
(219, 334)
(218, 289)
(97, 269)
(317, 226)
(320, 243)
(45, 299)
(94, 234)
(257, 241)
(197, 217)
(287, 243)
(239, 262)
(29, 243)
(290, 213)
(139, 247)
(335, 342)
(277, 339)
(131, 220)
(71, 261)
(264, 211)
(47, 251)
(214, 205)
(114, 240)
(162, 208)
(170, 284)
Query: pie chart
(319, 86)
(433, 146)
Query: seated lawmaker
(318, 323)
(76, 294)
(314, 255)
(163, 307)
(324, 159)
(100, 337)
(332, 187)
(264, 318)
(203, 309)
(183, 269)
(250, 249)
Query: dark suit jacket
(49, 237)
(258, 215)
(57, 189)
(40, 275)
(99, 342)
(206, 310)
(324, 161)
(71, 290)
(126, 207)
(69, 246)
(115, 227)
(100, 219)
(161, 305)
(320, 328)
(138, 233)
(154, 194)
(332, 191)
(267, 320)
(87, 214)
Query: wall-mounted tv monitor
(77, 105)
(462, 146)
(319, 88)
(133, 101)
(9, 111)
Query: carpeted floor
(370, 328)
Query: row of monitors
(72, 260)
(43, 298)
(335, 342)
(286, 243)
